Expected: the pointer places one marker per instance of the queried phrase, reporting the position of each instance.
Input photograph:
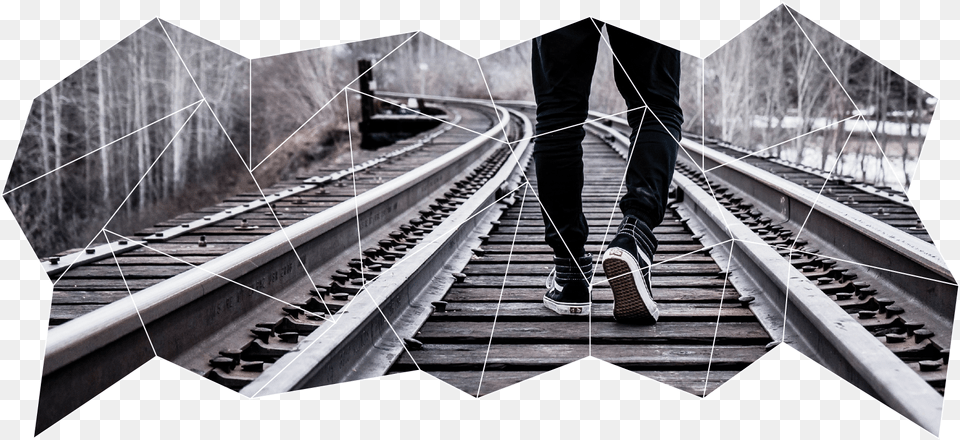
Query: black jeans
(563, 64)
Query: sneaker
(568, 288)
(627, 266)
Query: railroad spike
(912, 326)
(921, 334)
(262, 334)
(232, 354)
(894, 337)
(255, 366)
(292, 337)
(292, 311)
(930, 365)
(883, 303)
(223, 363)
(894, 310)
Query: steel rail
(913, 272)
(56, 265)
(892, 197)
(815, 324)
(360, 344)
(201, 299)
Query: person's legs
(562, 63)
(653, 70)
(647, 75)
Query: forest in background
(141, 82)
(766, 86)
(769, 85)
(138, 82)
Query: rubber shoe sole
(632, 302)
(571, 309)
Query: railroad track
(205, 284)
(864, 280)
(449, 275)
(884, 203)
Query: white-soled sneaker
(627, 268)
(568, 288)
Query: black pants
(563, 64)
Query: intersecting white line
(201, 93)
(802, 225)
(417, 250)
(250, 112)
(516, 160)
(132, 190)
(588, 121)
(603, 242)
(292, 247)
(716, 329)
(754, 153)
(855, 106)
(441, 120)
(356, 207)
(100, 148)
(297, 130)
(543, 210)
(617, 59)
(679, 145)
(798, 251)
(334, 97)
(496, 314)
(195, 266)
(287, 237)
(129, 293)
(652, 265)
(524, 174)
